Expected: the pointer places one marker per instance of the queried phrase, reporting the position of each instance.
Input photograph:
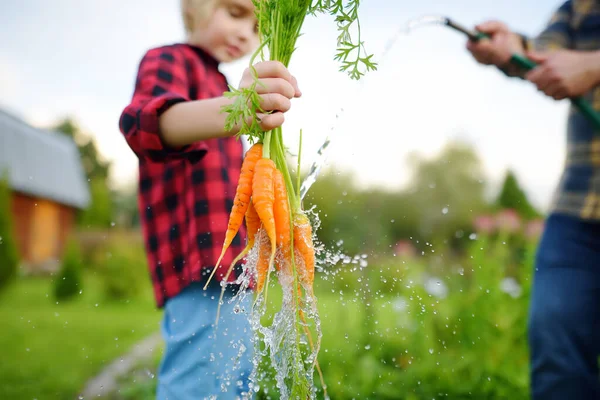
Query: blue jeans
(564, 321)
(200, 362)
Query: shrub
(9, 258)
(124, 272)
(69, 281)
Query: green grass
(50, 350)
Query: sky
(80, 58)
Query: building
(48, 186)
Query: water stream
(322, 152)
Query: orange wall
(41, 227)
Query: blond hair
(195, 12)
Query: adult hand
(565, 73)
(498, 49)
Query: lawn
(50, 350)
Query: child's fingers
(275, 69)
(275, 102)
(298, 92)
(271, 121)
(276, 85)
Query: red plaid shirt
(185, 194)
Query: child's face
(230, 32)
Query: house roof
(42, 163)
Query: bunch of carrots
(283, 230)
(279, 230)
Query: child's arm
(162, 123)
(188, 122)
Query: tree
(100, 211)
(9, 257)
(93, 165)
(448, 191)
(513, 197)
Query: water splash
(425, 20)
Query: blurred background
(431, 201)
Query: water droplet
(112, 224)
(430, 351)
(473, 236)
(367, 347)
(445, 210)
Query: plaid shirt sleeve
(161, 82)
(558, 34)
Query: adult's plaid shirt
(576, 26)
(185, 194)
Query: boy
(189, 168)
(565, 305)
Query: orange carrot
(262, 265)
(263, 197)
(241, 200)
(252, 223)
(281, 212)
(304, 244)
(252, 226)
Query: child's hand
(498, 49)
(276, 88)
(565, 73)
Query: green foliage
(69, 281)
(469, 342)
(100, 212)
(444, 195)
(124, 273)
(513, 196)
(126, 208)
(93, 164)
(448, 190)
(351, 53)
(97, 170)
(9, 257)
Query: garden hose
(585, 107)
